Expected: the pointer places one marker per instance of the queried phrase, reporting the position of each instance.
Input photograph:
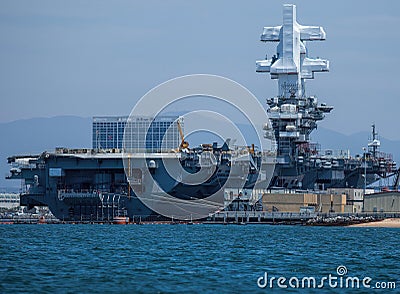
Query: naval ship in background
(91, 184)
(300, 164)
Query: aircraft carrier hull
(82, 185)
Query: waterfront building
(382, 202)
(160, 134)
(354, 197)
(292, 201)
(9, 200)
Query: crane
(183, 144)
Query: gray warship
(300, 164)
(92, 184)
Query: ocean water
(190, 259)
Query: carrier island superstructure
(294, 115)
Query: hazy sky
(89, 58)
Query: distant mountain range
(330, 139)
(33, 136)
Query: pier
(232, 218)
(291, 218)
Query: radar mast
(294, 115)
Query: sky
(88, 58)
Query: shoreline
(337, 221)
(385, 223)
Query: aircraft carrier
(92, 184)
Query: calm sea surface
(188, 259)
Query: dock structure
(292, 218)
(260, 217)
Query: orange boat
(120, 220)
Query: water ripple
(181, 259)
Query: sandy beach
(386, 223)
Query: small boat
(42, 220)
(120, 220)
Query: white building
(9, 200)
